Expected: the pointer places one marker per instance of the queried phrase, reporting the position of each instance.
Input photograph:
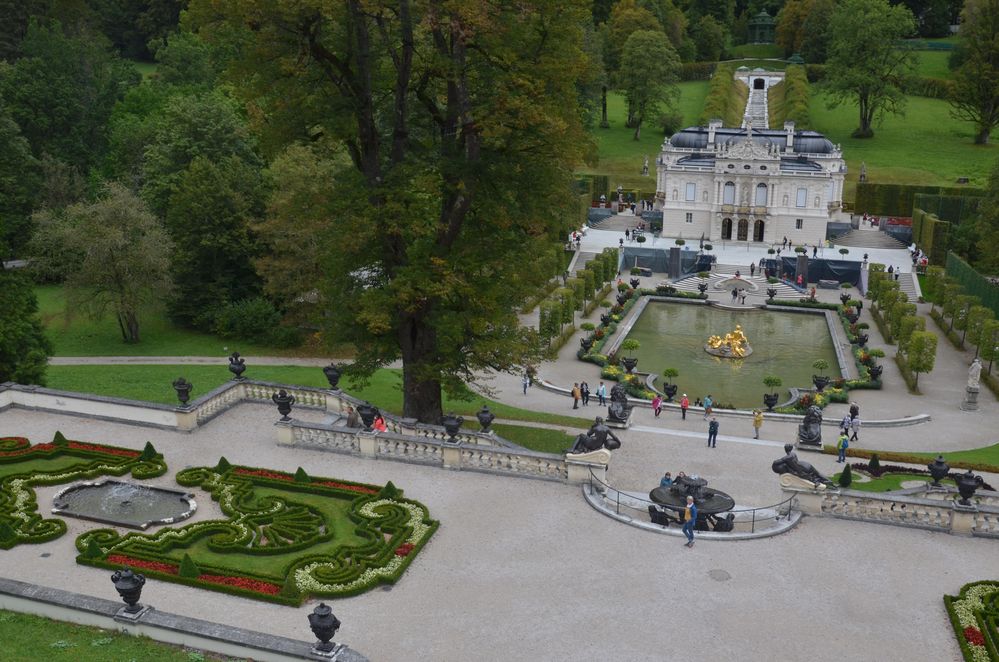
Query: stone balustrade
(460, 455)
(934, 509)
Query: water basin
(124, 504)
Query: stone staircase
(756, 114)
(723, 271)
(868, 239)
(906, 283)
(582, 257)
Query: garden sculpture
(599, 436)
(619, 409)
(810, 430)
(974, 373)
(790, 464)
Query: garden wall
(898, 199)
(973, 282)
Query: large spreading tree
(650, 70)
(975, 96)
(462, 124)
(866, 64)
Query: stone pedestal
(812, 448)
(123, 616)
(285, 435)
(579, 465)
(962, 520)
(187, 420)
(367, 443)
(970, 398)
(451, 455)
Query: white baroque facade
(730, 184)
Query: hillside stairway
(868, 239)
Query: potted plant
(820, 380)
(669, 388)
(634, 282)
(708, 247)
(772, 382)
(843, 251)
(640, 238)
(679, 242)
(770, 251)
(800, 250)
(845, 298)
(771, 293)
(629, 362)
(635, 271)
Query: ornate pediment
(751, 150)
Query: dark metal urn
(771, 293)
(703, 287)
(284, 401)
(669, 390)
(622, 299)
(820, 382)
(938, 470)
(967, 483)
(634, 282)
(485, 417)
(324, 625)
(586, 343)
(367, 412)
(605, 319)
(237, 365)
(844, 298)
(853, 317)
(452, 425)
(183, 388)
(129, 586)
(876, 371)
(332, 372)
(629, 363)
(770, 400)
(861, 339)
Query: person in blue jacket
(689, 520)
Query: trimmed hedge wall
(976, 624)
(896, 199)
(697, 70)
(973, 282)
(788, 100)
(934, 88)
(726, 98)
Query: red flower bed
(404, 549)
(23, 446)
(263, 473)
(245, 583)
(342, 486)
(123, 452)
(974, 636)
(143, 565)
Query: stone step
(862, 239)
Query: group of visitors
(354, 420)
(919, 258)
(739, 294)
(893, 272)
(849, 425)
(581, 394)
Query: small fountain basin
(124, 504)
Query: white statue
(973, 374)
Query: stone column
(970, 398)
(367, 443)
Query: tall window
(691, 192)
(797, 223)
(761, 195)
(802, 197)
(690, 217)
(728, 197)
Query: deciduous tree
(975, 96)
(866, 63)
(922, 353)
(649, 74)
(24, 349)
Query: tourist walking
(712, 432)
(657, 405)
(602, 394)
(708, 404)
(752, 269)
(757, 423)
(353, 420)
(815, 251)
(844, 425)
(689, 520)
(576, 394)
(525, 381)
(842, 445)
(584, 390)
(855, 427)
(684, 404)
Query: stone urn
(622, 299)
(967, 483)
(629, 363)
(333, 373)
(586, 343)
(284, 401)
(605, 319)
(183, 388)
(771, 293)
(129, 586)
(820, 382)
(876, 371)
(703, 287)
(844, 298)
(634, 282)
(367, 412)
(669, 390)
(770, 400)
(485, 417)
(324, 625)
(237, 365)
(452, 425)
(862, 339)
(938, 470)
(852, 317)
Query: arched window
(743, 229)
(728, 196)
(761, 195)
(758, 228)
(727, 228)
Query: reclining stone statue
(790, 464)
(599, 436)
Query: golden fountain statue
(734, 345)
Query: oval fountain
(124, 504)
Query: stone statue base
(599, 456)
(804, 446)
(726, 353)
(970, 399)
(792, 481)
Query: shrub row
(697, 70)
(882, 199)
(934, 88)
(910, 379)
(788, 100)
(880, 323)
(726, 98)
(976, 645)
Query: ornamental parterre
(286, 538)
(974, 613)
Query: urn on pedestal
(967, 483)
(129, 586)
(324, 625)
(367, 412)
(938, 470)
(452, 425)
(333, 373)
(284, 401)
(183, 388)
(485, 417)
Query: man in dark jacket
(712, 432)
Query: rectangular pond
(785, 344)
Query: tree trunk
(128, 322)
(421, 395)
(604, 124)
(982, 137)
(638, 129)
(121, 327)
(866, 117)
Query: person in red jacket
(684, 403)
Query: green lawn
(537, 439)
(152, 383)
(926, 146)
(29, 638)
(887, 482)
(81, 336)
(756, 51)
(985, 455)
(621, 157)
(933, 64)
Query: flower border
(974, 615)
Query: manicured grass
(28, 638)
(621, 157)
(887, 482)
(152, 383)
(536, 439)
(756, 50)
(985, 455)
(933, 64)
(771, 65)
(926, 146)
(81, 336)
